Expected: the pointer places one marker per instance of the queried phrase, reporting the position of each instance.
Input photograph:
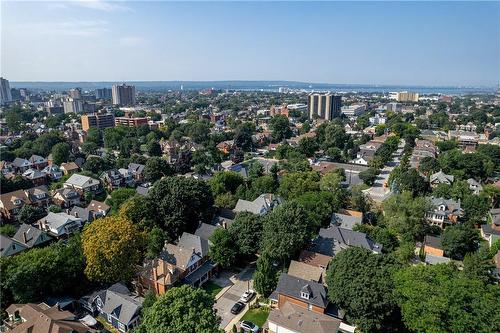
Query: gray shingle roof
(205, 230)
(31, 233)
(190, 241)
(292, 286)
(120, 302)
(334, 239)
(345, 221)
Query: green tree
(60, 153)
(478, 266)
(30, 214)
(286, 230)
(243, 136)
(360, 282)
(225, 181)
(118, 197)
(95, 165)
(405, 215)
(369, 176)
(475, 208)
(321, 205)
(460, 239)
(308, 146)
(8, 230)
(55, 270)
(437, 298)
(280, 128)
(139, 210)
(296, 183)
(265, 277)
(223, 249)
(154, 148)
(182, 310)
(246, 231)
(180, 204)
(428, 165)
(156, 168)
(111, 246)
(156, 242)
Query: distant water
(251, 86)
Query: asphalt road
(224, 303)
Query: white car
(247, 296)
(248, 326)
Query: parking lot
(239, 283)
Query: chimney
(25, 238)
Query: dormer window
(306, 292)
(442, 208)
(17, 201)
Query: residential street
(236, 286)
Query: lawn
(257, 316)
(212, 288)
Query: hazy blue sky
(332, 42)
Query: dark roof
(205, 230)
(31, 233)
(334, 239)
(190, 241)
(433, 241)
(120, 302)
(292, 286)
(83, 213)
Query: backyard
(257, 316)
(212, 288)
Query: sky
(402, 43)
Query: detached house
(36, 176)
(38, 196)
(53, 172)
(9, 247)
(260, 206)
(445, 212)
(304, 293)
(30, 236)
(137, 171)
(491, 232)
(114, 179)
(83, 184)
(21, 164)
(38, 162)
(12, 202)
(69, 168)
(185, 262)
(117, 305)
(66, 197)
(441, 178)
(335, 239)
(60, 224)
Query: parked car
(248, 326)
(237, 307)
(247, 296)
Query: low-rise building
(59, 224)
(260, 206)
(445, 212)
(440, 178)
(83, 184)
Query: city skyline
(322, 42)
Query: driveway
(231, 294)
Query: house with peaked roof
(474, 186)
(334, 239)
(315, 259)
(53, 172)
(137, 171)
(66, 197)
(69, 168)
(21, 164)
(38, 162)
(307, 294)
(41, 318)
(10, 247)
(35, 176)
(30, 236)
(184, 262)
(445, 212)
(117, 305)
(260, 206)
(294, 318)
(59, 224)
(346, 221)
(306, 272)
(38, 196)
(491, 231)
(83, 184)
(12, 202)
(440, 178)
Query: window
(109, 318)
(309, 307)
(121, 327)
(304, 295)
